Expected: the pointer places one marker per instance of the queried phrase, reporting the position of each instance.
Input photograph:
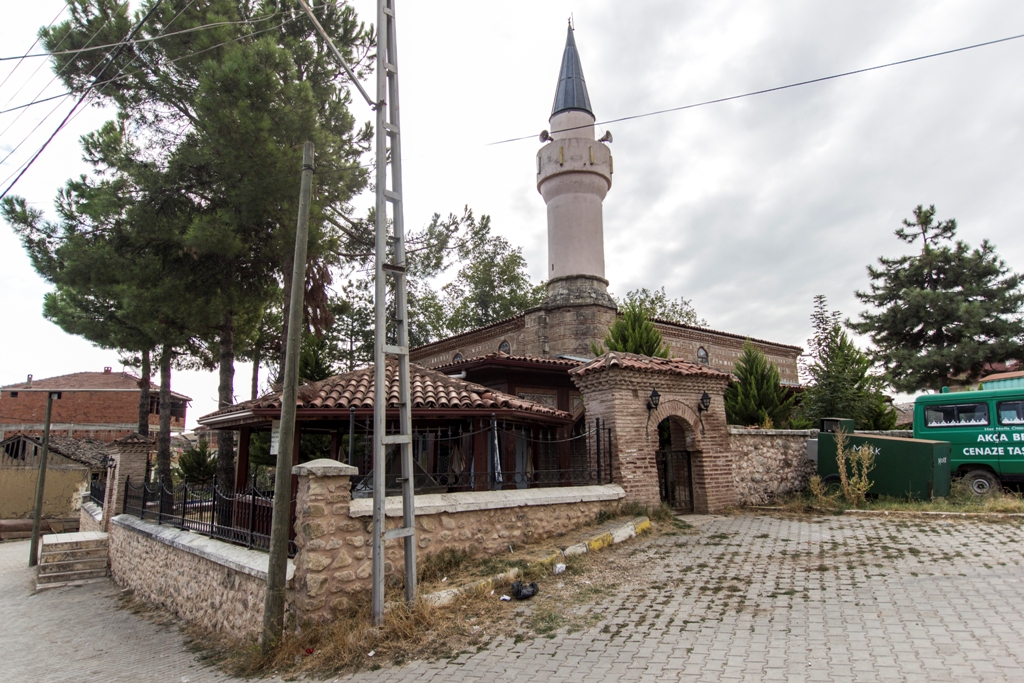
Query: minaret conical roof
(572, 89)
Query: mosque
(574, 174)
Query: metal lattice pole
(389, 263)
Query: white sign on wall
(275, 436)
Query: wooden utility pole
(33, 550)
(273, 606)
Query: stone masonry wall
(90, 517)
(196, 589)
(334, 540)
(770, 462)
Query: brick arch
(672, 407)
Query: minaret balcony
(574, 155)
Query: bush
(197, 464)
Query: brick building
(98, 405)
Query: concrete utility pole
(273, 606)
(33, 550)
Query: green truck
(985, 429)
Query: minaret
(574, 173)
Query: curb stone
(594, 544)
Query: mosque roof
(571, 93)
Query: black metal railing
(494, 457)
(242, 518)
(97, 490)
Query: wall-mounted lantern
(653, 400)
(703, 405)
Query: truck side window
(1010, 412)
(960, 415)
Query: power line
(775, 89)
(85, 94)
(26, 55)
(140, 40)
(169, 61)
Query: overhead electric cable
(26, 55)
(768, 90)
(88, 90)
(144, 40)
(121, 75)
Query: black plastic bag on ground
(521, 592)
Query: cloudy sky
(748, 208)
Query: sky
(748, 208)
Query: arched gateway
(662, 408)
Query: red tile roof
(663, 366)
(430, 390)
(89, 381)
(502, 358)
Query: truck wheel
(982, 482)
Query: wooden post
(33, 550)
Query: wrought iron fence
(242, 518)
(97, 490)
(497, 456)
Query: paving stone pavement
(747, 598)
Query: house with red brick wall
(97, 405)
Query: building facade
(97, 405)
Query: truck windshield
(960, 415)
(1011, 412)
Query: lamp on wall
(653, 400)
(703, 405)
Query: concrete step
(48, 568)
(74, 541)
(70, 578)
(47, 555)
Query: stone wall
(770, 462)
(773, 462)
(210, 583)
(334, 532)
(90, 517)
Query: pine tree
(632, 332)
(841, 384)
(757, 397)
(941, 316)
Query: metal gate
(675, 480)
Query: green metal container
(904, 468)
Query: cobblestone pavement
(747, 598)
(79, 634)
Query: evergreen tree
(757, 397)
(840, 382)
(632, 332)
(941, 316)
(197, 464)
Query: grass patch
(441, 564)
(960, 499)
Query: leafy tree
(757, 397)
(632, 332)
(219, 101)
(657, 305)
(840, 382)
(197, 464)
(941, 316)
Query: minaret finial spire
(571, 93)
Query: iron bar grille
(242, 518)
(97, 490)
(492, 458)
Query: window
(961, 415)
(1010, 412)
(702, 356)
(504, 347)
(457, 358)
(14, 394)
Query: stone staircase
(72, 559)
